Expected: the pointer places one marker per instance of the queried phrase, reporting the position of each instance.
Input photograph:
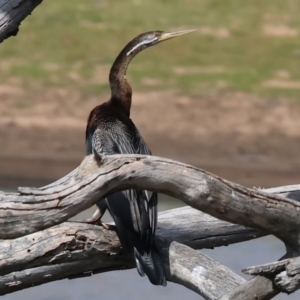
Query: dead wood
(12, 13)
(72, 249)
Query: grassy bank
(249, 46)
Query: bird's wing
(150, 196)
(143, 204)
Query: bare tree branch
(74, 249)
(286, 273)
(59, 252)
(198, 272)
(36, 209)
(33, 209)
(12, 13)
(258, 287)
(198, 230)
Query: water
(127, 284)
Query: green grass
(78, 36)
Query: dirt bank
(243, 138)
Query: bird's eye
(152, 38)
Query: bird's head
(151, 38)
(120, 88)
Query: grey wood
(286, 273)
(258, 287)
(198, 272)
(34, 209)
(74, 249)
(12, 12)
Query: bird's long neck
(120, 88)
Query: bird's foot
(97, 221)
(108, 226)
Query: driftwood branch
(57, 253)
(74, 249)
(259, 287)
(36, 209)
(33, 209)
(12, 13)
(286, 273)
(198, 272)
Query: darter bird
(110, 131)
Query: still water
(120, 285)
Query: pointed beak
(169, 35)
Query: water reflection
(120, 285)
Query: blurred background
(224, 98)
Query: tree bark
(67, 253)
(12, 13)
(198, 272)
(74, 249)
(36, 209)
(286, 272)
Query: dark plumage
(111, 131)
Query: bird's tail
(151, 265)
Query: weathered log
(198, 272)
(74, 249)
(286, 273)
(12, 13)
(258, 287)
(59, 252)
(36, 209)
(198, 230)
(33, 209)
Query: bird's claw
(98, 222)
(108, 226)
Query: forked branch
(33, 209)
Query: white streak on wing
(146, 205)
(140, 44)
(148, 195)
